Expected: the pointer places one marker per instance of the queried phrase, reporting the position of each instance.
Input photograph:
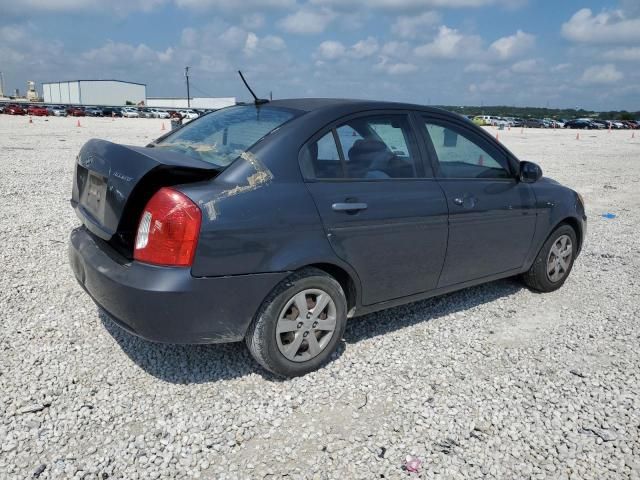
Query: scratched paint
(261, 177)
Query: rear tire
(299, 325)
(554, 262)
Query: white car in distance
(130, 113)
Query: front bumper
(164, 304)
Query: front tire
(299, 325)
(553, 264)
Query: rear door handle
(466, 201)
(349, 207)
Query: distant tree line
(534, 112)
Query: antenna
(257, 101)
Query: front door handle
(348, 207)
(458, 201)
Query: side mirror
(530, 172)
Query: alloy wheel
(559, 259)
(306, 325)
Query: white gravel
(490, 382)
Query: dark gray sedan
(274, 223)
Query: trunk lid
(112, 183)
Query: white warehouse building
(94, 92)
(213, 103)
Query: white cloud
(450, 44)
(307, 22)
(395, 68)
(253, 21)
(561, 67)
(601, 75)
(234, 4)
(413, 26)
(255, 44)
(418, 4)
(330, 50)
(606, 27)
(527, 66)
(396, 49)
(364, 48)
(478, 68)
(116, 53)
(74, 6)
(629, 54)
(512, 46)
(333, 50)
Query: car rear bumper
(164, 304)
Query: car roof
(329, 104)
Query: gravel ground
(490, 382)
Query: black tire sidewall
(268, 318)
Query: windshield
(221, 137)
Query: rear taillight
(168, 230)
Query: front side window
(221, 137)
(461, 157)
(375, 147)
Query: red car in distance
(76, 112)
(14, 109)
(37, 111)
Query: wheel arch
(573, 223)
(349, 284)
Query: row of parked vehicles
(39, 110)
(578, 123)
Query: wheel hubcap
(306, 325)
(559, 259)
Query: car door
(492, 215)
(383, 214)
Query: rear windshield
(221, 137)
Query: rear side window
(367, 148)
(459, 156)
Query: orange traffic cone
(78, 123)
(162, 126)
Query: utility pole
(186, 74)
(1, 85)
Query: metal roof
(94, 80)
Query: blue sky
(456, 52)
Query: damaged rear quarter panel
(255, 220)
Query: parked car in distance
(580, 124)
(14, 109)
(74, 111)
(57, 110)
(112, 112)
(534, 123)
(37, 111)
(482, 120)
(274, 223)
(145, 112)
(189, 114)
(130, 113)
(160, 113)
(93, 112)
